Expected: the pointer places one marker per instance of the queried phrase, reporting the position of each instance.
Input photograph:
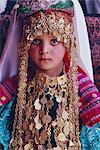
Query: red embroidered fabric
(8, 89)
(89, 104)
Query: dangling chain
(47, 95)
(34, 107)
(51, 91)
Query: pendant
(61, 137)
(54, 124)
(41, 113)
(36, 119)
(58, 99)
(65, 115)
(52, 83)
(28, 146)
(38, 126)
(59, 112)
(60, 123)
(43, 137)
(49, 104)
(37, 104)
(46, 119)
(71, 143)
(43, 100)
(62, 80)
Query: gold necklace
(45, 93)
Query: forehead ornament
(58, 24)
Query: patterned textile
(6, 113)
(89, 136)
(89, 105)
(8, 90)
(93, 25)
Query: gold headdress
(51, 17)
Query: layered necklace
(47, 114)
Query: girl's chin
(46, 67)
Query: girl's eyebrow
(37, 37)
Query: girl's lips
(46, 61)
(41, 59)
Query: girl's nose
(45, 48)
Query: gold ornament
(56, 23)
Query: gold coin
(60, 123)
(38, 126)
(37, 104)
(44, 135)
(59, 112)
(41, 113)
(46, 119)
(61, 137)
(43, 100)
(65, 115)
(49, 104)
(28, 146)
(54, 123)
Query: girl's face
(47, 53)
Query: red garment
(89, 104)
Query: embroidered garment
(89, 136)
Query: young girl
(52, 91)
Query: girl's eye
(54, 41)
(36, 41)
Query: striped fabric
(89, 101)
(8, 89)
(89, 104)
